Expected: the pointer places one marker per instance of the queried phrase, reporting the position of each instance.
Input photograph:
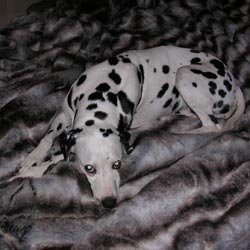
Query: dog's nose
(109, 202)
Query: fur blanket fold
(187, 192)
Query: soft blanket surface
(185, 192)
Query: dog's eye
(117, 164)
(90, 169)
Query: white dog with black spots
(125, 94)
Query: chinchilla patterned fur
(178, 191)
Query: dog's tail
(240, 107)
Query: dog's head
(99, 155)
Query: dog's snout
(109, 202)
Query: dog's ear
(67, 140)
(63, 144)
(124, 138)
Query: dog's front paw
(35, 171)
(30, 167)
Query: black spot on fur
(194, 84)
(213, 87)
(58, 153)
(81, 96)
(76, 130)
(75, 114)
(103, 87)
(65, 141)
(69, 98)
(110, 131)
(59, 126)
(100, 115)
(96, 96)
(213, 119)
(228, 85)
(112, 98)
(47, 158)
(126, 60)
(89, 122)
(155, 70)
(34, 164)
(125, 136)
(208, 75)
(175, 106)
(113, 60)
(222, 93)
(196, 60)
(71, 141)
(165, 69)
(126, 104)
(140, 98)
(163, 90)
(147, 60)
(220, 103)
(168, 102)
(212, 91)
(139, 76)
(142, 73)
(176, 92)
(50, 131)
(75, 101)
(106, 132)
(122, 124)
(115, 77)
(91, 106)
(81, 80)
(219, 65)
(225, 109)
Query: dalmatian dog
(126, 93)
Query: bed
(185, 192)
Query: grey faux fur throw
(185, 192)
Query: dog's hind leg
(38, 155)
(194, 89)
